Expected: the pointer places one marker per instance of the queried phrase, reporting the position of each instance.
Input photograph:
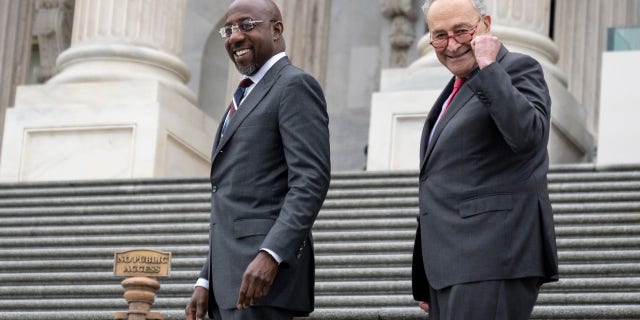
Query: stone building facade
(120, 89)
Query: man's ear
(487, 23)
(277, 30)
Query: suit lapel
(431, 121)
(249, 104)
(427, 144)
(462, 97)
(458, 102)
(216, 141)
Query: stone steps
(58, 240)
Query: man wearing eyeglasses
(485, 240)
(270, 172)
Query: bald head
(266, 7)
(478, 4)
(250, 48)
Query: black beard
(249, 70)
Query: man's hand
(257, 280)
(198, 305)
(485, 48)
(424, 306)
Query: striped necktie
(237, 99)
(237, 96)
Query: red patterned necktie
(456, 86)
(237, 96)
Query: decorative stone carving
(402, 14)
(52, 26)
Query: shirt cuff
(202, 283)
(273, 254)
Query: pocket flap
(252, 227)
(497, 202)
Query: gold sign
(142, 263)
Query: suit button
(214, 189)
(423, 178)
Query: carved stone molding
(401, 15)
(52, 26)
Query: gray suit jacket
(270, 174)
(484, 206)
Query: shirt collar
(256, 77)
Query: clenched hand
(485, 48)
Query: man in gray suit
(270, 173)
(486, 240)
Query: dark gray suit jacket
(484, 206)
(270, 174)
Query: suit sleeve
(419, 280)
(204, 272)
(516, 95)
(303, 125)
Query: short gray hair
(480, 6)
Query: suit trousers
(252, 313)
(511, 299)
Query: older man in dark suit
(486, 239)
(270, 174)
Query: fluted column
(581, 52)
(306, 34)
(126, 40)
(532, 16)
(15, 49)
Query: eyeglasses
(245, 26)
(462, 36)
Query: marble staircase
(57, 242)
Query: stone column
(123, 40)
(306, 34)
(581, 52)
(118, 106)
(15, 50)
(604, 81)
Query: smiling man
(270, 173)
(485, 240)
